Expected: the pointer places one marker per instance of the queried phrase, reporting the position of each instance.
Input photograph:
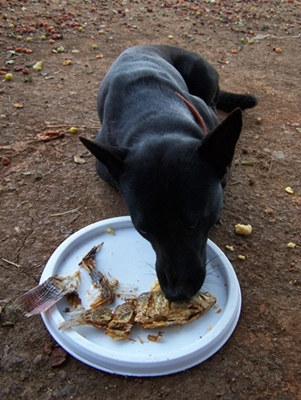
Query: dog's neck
(194, 112)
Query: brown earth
(255, 46)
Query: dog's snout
(181, 288)
(177, 295)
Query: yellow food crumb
(289, 190)
(291, 245)
(230, 248)
(241, 229)
(241, 257)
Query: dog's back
(133, 92)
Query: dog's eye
(193, 225)
(145, 234)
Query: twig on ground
(252, 358)
(10, 262)
(74, 219)
(260, 37)
(74, 210)
(270, 169)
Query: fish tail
(39, 299)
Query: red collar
(194, 112)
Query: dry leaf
(58, 357)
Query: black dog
(162, 147)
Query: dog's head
(172, 188)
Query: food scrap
(155, 338)
(74, 300)
(289, 190)
(123, 319)
(153, 310)
(245, 230)
(18, 105)
(51, 135)
(48, 293)
(149, 310)
(104, 288)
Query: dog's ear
(110, 156)
(218, 146)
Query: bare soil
(255, 46)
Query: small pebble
(38, 359)
(62, 375)
(5, 161)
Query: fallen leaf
(58, 357)
(38, 66)
(51, 135)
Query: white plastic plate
(129, 258)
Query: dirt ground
(255, 46)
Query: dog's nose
(178, 295)
(182, 290)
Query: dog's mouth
(179, 292)
(181, 281)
